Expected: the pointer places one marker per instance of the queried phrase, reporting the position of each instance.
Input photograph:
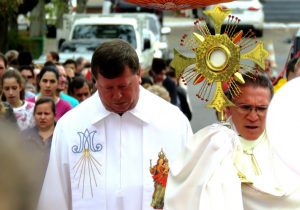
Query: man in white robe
(226, 170)
(102, 149)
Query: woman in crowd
(47, 84)
(30, 83)
(38, 141)
(13, 92)
(80, 88)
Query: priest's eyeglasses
(247, 109)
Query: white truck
(82, 33)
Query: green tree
(9, 10)
(61, 7)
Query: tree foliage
(9, 10)
(8, 6)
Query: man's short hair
(76, 83)
(70, 61)
(111, 58)
(259, 79)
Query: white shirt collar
(142, 110)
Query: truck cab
(95, 29)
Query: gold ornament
(217, 15)
(220, 59)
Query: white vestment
(204, 177)
(276, 187)
(100, 160)
(208, 175)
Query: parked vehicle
(108, 27)
(250, 12)
(142, 31)
(79, 48)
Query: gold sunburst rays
(87, 167)
(220, 59)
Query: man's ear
(139, 72)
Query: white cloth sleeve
(204, 176)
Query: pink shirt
(61, 107)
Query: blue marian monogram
(87, 166)
(87, 142)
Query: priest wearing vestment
(102, 149)
(235, 168)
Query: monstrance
(220, 60)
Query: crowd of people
(89, 130)
(33, 99)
